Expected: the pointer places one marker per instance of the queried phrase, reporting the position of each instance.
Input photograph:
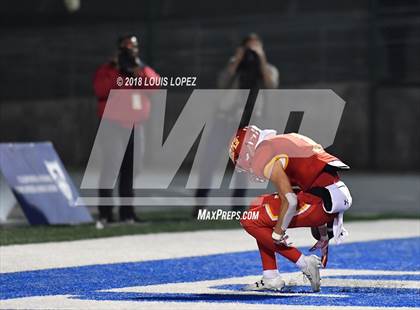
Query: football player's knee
(250, 227)
(248, 223)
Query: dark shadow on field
(251, 297)
(143, 297)
(211, 298)
(354, 296)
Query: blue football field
(380, 273)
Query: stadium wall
(369, 56)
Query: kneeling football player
(291, 160)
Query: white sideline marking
(15, 258)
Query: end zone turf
(378, 267)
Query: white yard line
(291, 279)
(64, 302)
(15, 258)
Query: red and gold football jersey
(302, 158)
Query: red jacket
(127, 111)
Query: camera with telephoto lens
(249, 69)
(127, 61)
(250, 61)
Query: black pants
(125, 184)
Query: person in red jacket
(113, 75)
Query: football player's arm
(288, 199)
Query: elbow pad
(291, 210)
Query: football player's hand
(280, 239)
(323, 246)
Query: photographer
(247, 69)
(250, 66)
(108, 76)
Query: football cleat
(275, 284)
(311, 271)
